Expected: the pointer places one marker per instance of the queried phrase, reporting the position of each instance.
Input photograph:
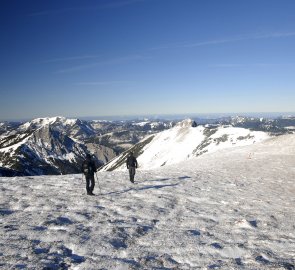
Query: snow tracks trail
(233, 209)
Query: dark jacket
(131, 162)
(88, 167)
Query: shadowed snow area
(231, 209)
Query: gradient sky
(131, 57)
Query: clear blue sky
(130, 57)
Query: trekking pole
(82, 179)
(98, 183)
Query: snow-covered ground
(231, 209)
(183, 142)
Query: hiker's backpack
(131, 161)
(87, 168)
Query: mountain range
(57, 145)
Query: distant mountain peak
(185, 123)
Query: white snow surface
(183, 142)
(41, 122)
(152, 124)
(141, 124)
(231, 209)
(178, 144)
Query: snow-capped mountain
(55, 145)
(108, 139)
(43, 150)
(74, 128)
(223, 210)
(184, 141)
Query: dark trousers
(90, 183)
(131, 173)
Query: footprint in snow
(262, 260)
(120, 239)
(6, 212)
(39, 228)
(57, 256)
(216, 265)
(59, 221)
(217, 245)
(11, 227)
(194, 232)
(142, 230)
(243, 223)
(238, 261)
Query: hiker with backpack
(88, 169)
(131, 164)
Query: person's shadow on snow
(156, 186)
(139, 189)
(185, 177)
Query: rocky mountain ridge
(184, 141)
(57, 145)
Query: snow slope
(231, 209)
(183, 142)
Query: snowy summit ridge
(187, 123)
(42, 146)
(185, 141)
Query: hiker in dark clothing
(131, 164)
(89, 168)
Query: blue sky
(138, 57)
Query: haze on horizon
(146, 57)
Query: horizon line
(157, 116)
